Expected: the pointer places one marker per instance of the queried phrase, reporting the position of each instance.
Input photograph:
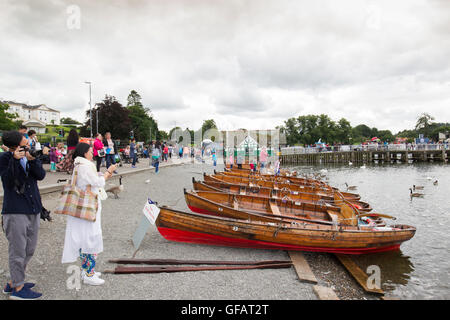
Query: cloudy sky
(247, 64)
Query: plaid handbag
(78, 203)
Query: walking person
(156, 153)
(111, 150)
(21, 210)
(133, 153)
(83, 238)
(165, 152)
(98, 150)
(263, 157)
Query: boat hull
(187, 227)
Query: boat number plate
(235, 228)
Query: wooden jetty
(369, 156)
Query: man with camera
(20, 171)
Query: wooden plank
(325, 293)
(301, 267)
(359, 275)
(274, 209)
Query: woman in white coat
(84, 238)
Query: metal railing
(374, 147)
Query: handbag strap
(74, 180)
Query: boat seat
(274, 208)
(333, 216)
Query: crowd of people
(21, 167)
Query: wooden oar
(128, 270)
(193, 262)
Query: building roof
(24, 105)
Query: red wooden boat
(187, 227)
(271, 193)
(291, 187)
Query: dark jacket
(105, 143)
(10, 170)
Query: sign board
(150, 212)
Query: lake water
(421, 269)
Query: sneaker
(24, 294)
(92, 280)
(133, 166)
(8, 289)
(96, 274)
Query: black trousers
(99, 162)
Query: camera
(31, 151)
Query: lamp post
(90, 104)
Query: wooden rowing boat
(291, 187)
(271, 193)
(270, 177)
(258, 208)
(187, 227)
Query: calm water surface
(421, 269)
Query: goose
(417, 187)
(350, 187)
(363, 166)
(415, 194)
(350, 163)
(116, 189)
(435, 183)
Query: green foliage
(7, 119)
(142, 123)
(113, 117)
(208, 124)
(308, 129)
(69, 120)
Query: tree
(113, 117)
(145, 128)
(68, 120)
(343, 131)
(7, 119)
(423, 124)
(208, 124)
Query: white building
(34, 117)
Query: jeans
(156, 165)
(109, 160)
(133, 157)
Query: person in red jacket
(98, 148)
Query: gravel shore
(120, 219)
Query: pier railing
(352, 148)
